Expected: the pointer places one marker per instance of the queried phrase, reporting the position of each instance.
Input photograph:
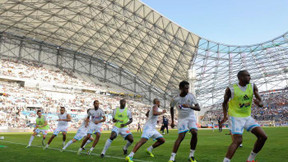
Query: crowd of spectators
(18, 104)
(275, 106)
(34, 71)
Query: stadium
(66, 53)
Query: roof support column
(74, 62)
(165, 98)
(90, 66)
(1, 41)
(39, 54)
(20, 49)
(150, 91)
(105, 72)
(120, 75)
(134, 84)
(230, 68)
(57, 57)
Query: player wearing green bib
(41, 126)
(238, 98)
(121, 117)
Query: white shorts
(60, 129)
(123, 131)
(44, 132)
(94, 128)
(149, 132)
(237, 124)
(184, 125)
(82, 132)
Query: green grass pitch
(212, 147)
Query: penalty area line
(51, 148)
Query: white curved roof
(216, 66)
(126, 33)
(134, 37)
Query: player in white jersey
(81, 132)
(122, 117)
(96, 116)
(149, 131)
(185, 103)
(62, 126)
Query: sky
(232, 22)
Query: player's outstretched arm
(102, 120)
(172, 116)
(196, 107)
(87, 121)
(68, 118)
(36, 126)
(45, 123)
(114, 120)
(227, 95)
(113, 115)
(155, 111)
(258, 100)
(147, 113)
(129, 122)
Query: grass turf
(212, 147)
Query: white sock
(30, 141)
(241, 145)
(127, 145)
(91, 149)
(252, 156)
(89, 141)
(131, 154)
(191, 153)
(107, 145)
(47, 145)
(63, 142)
(150, 148)
(68, 144)
(226, 160)
(173, 156)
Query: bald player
(149, 131)
(239, 97)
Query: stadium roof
(216, 66)
(134, 37)
(126, 33)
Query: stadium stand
(54, 88)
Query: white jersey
(152, 119)
(82, 130)
(96, 115)
(84, 122)
(62, 123)
(178, 101)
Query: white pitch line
(51, 148)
